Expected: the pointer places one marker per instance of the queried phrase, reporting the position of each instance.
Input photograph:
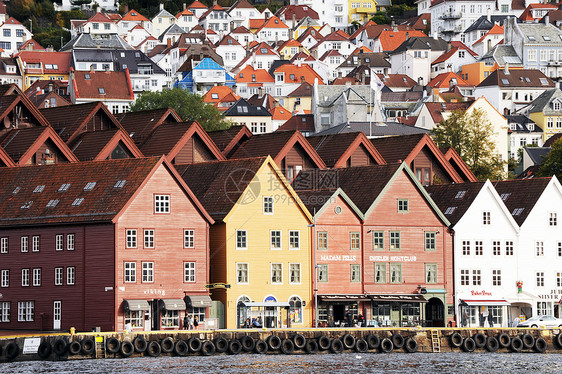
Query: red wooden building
(101, 244)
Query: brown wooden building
(101, 244)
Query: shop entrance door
(339, 313)
(435, 312)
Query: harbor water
(326, 363)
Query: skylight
(39, 188)
(546, 38)
(120, 183)
(89, 186)
(505, 81)
(505, 196)
(101, 90)
(263, 50)
(544, 81)
(460, 194)
(78, 201)
(52, 203)
(16, 190)
(532, 38)
(450, 210)
(517, 211)
(86, 76)
(527, 79)
(64, 187)
(27, 205)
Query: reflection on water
(369, 362)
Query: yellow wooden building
(546, 112)
(361, 10)
(260, 244)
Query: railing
(450, 15)
(451, 29)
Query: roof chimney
(489, 15)
(214, 2)
(506, 69)
(161, 6)
(92, 68)
(184, 6)
(546, 20)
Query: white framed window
(130, 269)
(354, 241)
(403, 206)
(58, 276)
(294, 239)
(189, 238)
(476, 277)
(5, 278)
(59, 242)
(355, 273)
(26, 311)
(131, 238)
(496, 277)
(486, 218)
(295, 309)
(135, 318)
(322, 240)
(478, 247)
(275, 239)
(148, 272)
(540, 279)
(241, 239)
(24, 277)
(394, 240)
(378, 240)
(36, 277)
(170, 318)
(496, 248)
(430, 244)
(70, 275)
(276, 273)
(380, 272)
(553, 219)
(242, 275)
(465, 277)
(323, 273)
(24, 243)
(189, 272)
(430, 273)
(70, 242)
(148, 238)
(5, 311)
(35, 243)
(161, 203)
(509, 248)
(294, 273)
(539, 245)
(4, 245)
(268, 205)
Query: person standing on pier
(195, 322)
(349, 318)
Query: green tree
(552, 162)
(190, 107)
(380, 18)
(470, 134)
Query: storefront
(197, 307)
(270, 314)
(137, 314)
(332, 308)
(484, 313)
(170, 310)
(396, 310)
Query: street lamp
(315, 289)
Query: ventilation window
(450, 210)
(64, 187)
(89, 186)
(101, 90)
(27, 205)
(86, 76)
(505, 81)
(460, 194)
(120, 183)
(517, 211)
(16, 190)
(505, 196)
(52, 203)
(78, 201)
(39, 188)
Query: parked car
(537, 321)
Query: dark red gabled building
(101, 244)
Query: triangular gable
(9, 102)
(48, 134)
(240, 137)
(360, 141)
(5, 160)
(489, 187)
(459, 165)
(208, 64)
(173, 172)
(298, 138)
(140, 124)
(339, 192)
(119, 139)
(405, 168)
(269, 162)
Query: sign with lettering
(480, 293)
(338, 258)
(553, 295)
(31, 345)
(155, 292)
(392, 258)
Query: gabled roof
(277, 145)
(451, 199)
(482, 23)
(185, 12)
(228, 40)
(5, 159)
(104, 203)
(249, 74)
(363, 27)
(318, 200)
(170, 138)
(335, 149)
(98, 145)
(99, 17)
(52, 62)
(397, 80)
(495, 30)
(426, 43)
(436, 109)
(459, 165)
(273, 22)
(214, 8)
(240, 30)
(553, 139)
(278, 113)
(244, 108)
(228, 140)
(31, 44)
(140, 124)
(521, 78)
(300, 122)
(407, 147)
(22, 144)
(444, 80)
(450, 53)
(113, 84)
(390, 39)
(421, 22)
(196, 5)
(378, 59)
(303, 73)
(241, 4)
(220, 94)
(542, 104)
(10, 100)
(69, 121)
(310, 32)
(304, 90)
(133, 15)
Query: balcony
(451, 15)
(554, 63)
(451, 30)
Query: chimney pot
(161, 6)
(184, 6)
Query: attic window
(527, 80)
(122, 54)
(64, 187)
(367, 60)
(556, 105)
(86, 76)
(505, 81)
(137, 54)
(214, 96)
(124, 66)
(120, 183)
(16, 190)
(460, 194)
(304, 8)
(229, 41)
(133, 14)
(39, 188)
(49, 66)
(505, 196)
(101, 91)
(52, 203)
(404, 79)
(241, 75)
(263, 50)
(546, 38)
(517, 211)
(450, 210)
(544, 81)
(78, 201)
(27, 205)
(292, 76)
(89, 186)
(532, 38)
(276, 21)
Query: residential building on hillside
(449, 19)
(162, 21)
(201, 75)
(255, 117)
(333, 12)
(546, 112)
(523, 132)
(13, 35)
(43, 65)
(414, 57)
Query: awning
(198, 301)
(275, 304)
(135, 305)
(487, 302)
(173, 304)
(398, 298)
(343, 298)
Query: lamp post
(315, 289)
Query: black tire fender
(221, 344)
(207, 348)
(528, 341)
(194, 344)
(479, 339)
(287, 346)
(397, 340)
(311, 346)
(504, 340)
(336, 346)
(361, 345)
(261, 347)
(127, 348)
(60, 347)
(74, 348)
(87, 346)
(167, 345)
(274, 342)
(299, 340)
(516, 344)
(44, 350)
(12, 350)
(492, 344)
(234, 347)
(386, 345)
(181, 348)
(140, 344)
(558, 340)
(468, 345)
(455, 339)
(153, 349)
(540, 345)
(411, 345)
(324, 343)
(348, 341)
(112, 345)
(248, 343)
(373, 341)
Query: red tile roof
(496, 29)
(302, 122)
(451, 52)
(197, 5)
(228, 140)
(59, 61)
(133, 15)
(298, 11)
(185, 12)
(249, 74)
(443, 80)
(273, 22)
(397, 80)
(98, 145)
(278, 113)
(115, 85)
(335, 149)
(99, 17)
(303, 73)
(390, 40)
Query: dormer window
(214, 96)
(531, 126)
(101, 90)
(556, 105)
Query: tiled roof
(436, 109)
(518, 78)
(249, 74)
(11, 99)
(312, 32)
(372, 59)
(443, 80)
(223, 139)
(243, 108)
(520, 194)
(219, 94)
(495, 30)
(445, 196)
(298, 11)
(99, 17)
(139, 125)
(278, 113)
(332, 147)
(101, 204)
(219, 184)
(542, 104)
(241, 4)
(553, 139)
(214, 8)
(240, 30)
(363, 27)
(304, 90)
(397, 80)
(390, 40)
(302, 122)
(228, 40)
(422, 43)
(133, 15)
(450, 53)
(113, 84)
(417, 23)
(31, 44)
(185, 12)
(263, 145)
(196, 5)
(88, 145)
(303, 73)
(397, 148)
(16, 142)
(52, 62)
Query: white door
(147, 320)
(57, 312)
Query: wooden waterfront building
(101, 244)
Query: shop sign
(155, 292)
(392, 258)
(553, 295)
(480, 293)
(31, 345)
(337, 258)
